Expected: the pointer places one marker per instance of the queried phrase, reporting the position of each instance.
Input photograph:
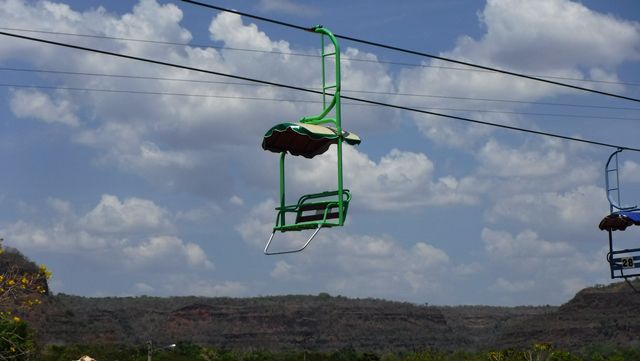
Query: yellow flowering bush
(21, 288)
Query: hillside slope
(599, 315)
(276, 323)
(595, 316)
(604, 315)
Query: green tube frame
(313, 200)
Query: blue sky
(131, 194)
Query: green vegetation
(16, 339)
(23, 285)
(35, 325)
(190, 352)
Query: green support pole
(282, 195)
(340, 187)
(335, 104)
(324, 78)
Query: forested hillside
(595, 316)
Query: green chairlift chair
(309, 137)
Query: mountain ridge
(599, 315)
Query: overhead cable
(435, 96)
(239, 77)
(415, 52)
(148, 92)
(277, 52)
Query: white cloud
(60, 205)
(430, 255)
(350, 264)
(287, 7)
(498, 160)
(159, 250)
(207, 288)
(183, 143)
(200, 214)
(151, 154)
(502, 284)
(133, 236)
(256, 227)
(177, 142)
(134, 232)
(568, 33)
(549, 37)
(399, 180)
(383, 266)
(544, 190)
(285, 271)
(114, 216)
(576, 210)
(38, 105)
(229, 28)
(528, 267)
(236, 200)
(630, 172)
(526, 244)
(61, 237)
(143, 288)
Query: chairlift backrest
(612, 182)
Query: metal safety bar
(266, 248)
(624, 263)
(612, 170)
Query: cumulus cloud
(502, 284)
(287, 7)
(350, 264)
(132, 235)
(285, 271)
(38, 105)
(229, 28)
(178, 142)
(236, 200)
(200, 214)
(529, 267)
(60, 205)
(143, 288)
(550, 37)
(259, 222)
(157, 250)
(398, 180)
(526, 244)
(114, 216)
(61, 237)
(218, 289)
(135, 232)
(577, 209)
(499, 160)
(187, 145)
(630, 172)
(568, 33)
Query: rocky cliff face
(323, 323)
(595, 316)
(275, 323)
(315, 324)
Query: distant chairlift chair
(308, 138)
(624, 263)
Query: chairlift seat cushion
(619, 221)
(307, 140)
(316, 211)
